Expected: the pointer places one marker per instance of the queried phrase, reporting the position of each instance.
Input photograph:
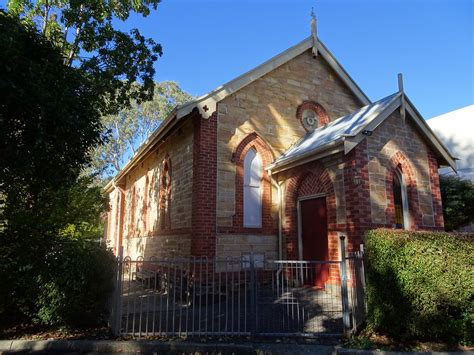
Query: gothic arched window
(252, 190)
(165, 189)
(400, 201)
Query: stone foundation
(162, 246)
(235, 246)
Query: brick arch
(399, 161)
(311, 105)
(252, 141)
(308, 181)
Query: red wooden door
(314, 230)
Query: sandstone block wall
(159, 246)
(141, 216)
(395, 142)
(268, 107)
(236, 246)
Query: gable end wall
(397, 143)
(268, 107)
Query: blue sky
(209, 42)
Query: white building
(456, 130)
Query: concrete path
(159, 347)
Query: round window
(310, 120)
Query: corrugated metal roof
(336, 130)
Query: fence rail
(208, 296)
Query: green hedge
(75, 284)
(420, 285)
(68, 284)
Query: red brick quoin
(435, 191)
(357, 195)
(252, 141)
(203, 241)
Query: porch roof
(344, 133)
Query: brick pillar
(435, 191)
(357, 191)
(203, 240)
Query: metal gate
(244, 296)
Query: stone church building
(279, 162)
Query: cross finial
(400, 82)
(402, 98)
(314, 34)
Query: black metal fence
(208, 296)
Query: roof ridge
(207, 103)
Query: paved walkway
(159, 347)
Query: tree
(80, 208)
(49, 113)
(458, 201)
(132, 126)
(84, 32)
(49, 120)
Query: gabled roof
(345, 133)
(207, 104)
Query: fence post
(362, 266)
(346, 319)
(117, 298)
(253, 297)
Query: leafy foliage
(132, 126)
(458, 201)
(49, 120)
(49, 113)
(51, 251)
(85, 33)
(80, 209)
(420, 285)
(76, 283)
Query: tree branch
(45, 17)
(66, 29)
(77, 39)
(75, 46)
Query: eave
(207, 104)
(167, 124)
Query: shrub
(420, 284)
(458, 201)
(75, 284)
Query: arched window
(165, 189)
(252, 190)
(133, 206)
(400, 201)
(144, 209)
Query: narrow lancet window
(252, 190)
(400, 201)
